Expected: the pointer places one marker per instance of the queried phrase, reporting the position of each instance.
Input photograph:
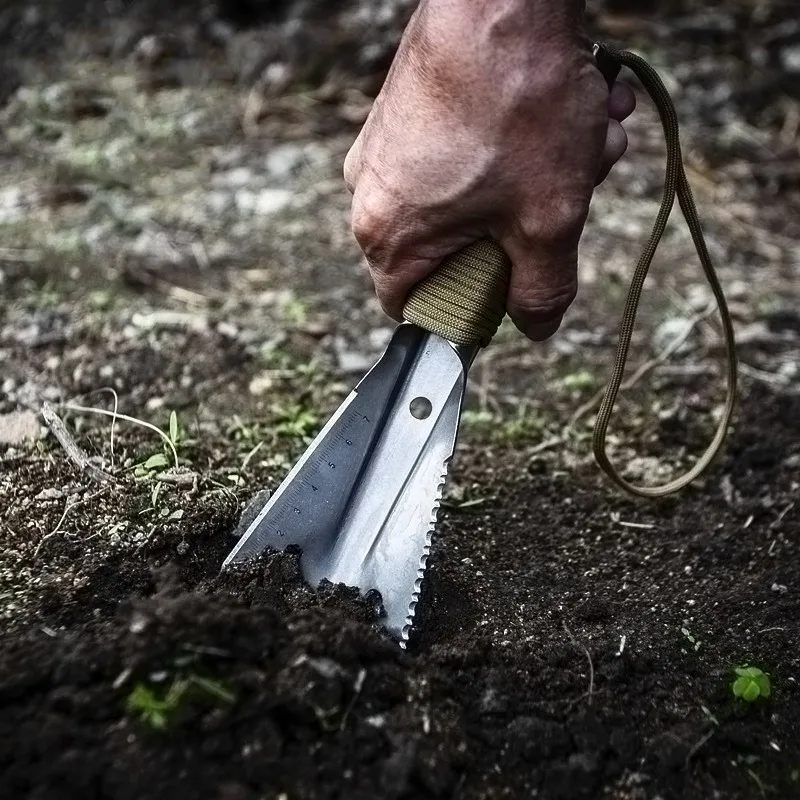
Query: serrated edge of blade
(423, 559)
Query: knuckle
(369, 223)
(350, 167)
(557, 220)
(566, 215)
(349, 174)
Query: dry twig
(71, 448)
(133, 420)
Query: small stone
(219, 201)
(261, 384)
(11, 204)
(138, 623)
(236, 178)
(227, 330)
(49, 494)
(154, 49)
(350, 361)
(170, 320)
(379, 338)
(669, 331)
(790, 57)
(251, 512)
(270, 201)
(284, 160)
(789, 369)
(19, 427)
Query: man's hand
(493, 120)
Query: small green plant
(296, 311)
(691, 639)
(173, 439)
(579, 382)
(509, 428)
(102, 299)
(295, 422)
(751, 683)
(272, 357)
(158, 710)
(152, 709)
(155, 463)
(174, 428)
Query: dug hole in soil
(255, 686)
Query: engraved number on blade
(323, 482)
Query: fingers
(615, 147)
(621, 102)
(544, 282)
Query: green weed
(750, 684)
(295, 421)
(158, 710)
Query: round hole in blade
(420, 408)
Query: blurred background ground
(173, 177)
(174, 227)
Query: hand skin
(493, 120)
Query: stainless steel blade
(363, 499)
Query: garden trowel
(361, 503)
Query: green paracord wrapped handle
(464, 300)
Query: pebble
(175, 320)
(283, 161)
(264, 202)
(379, 338)
(670, 330)
(790, 57)
(351, 361)
(18, 427)
(287, 159)
(236, 178)
(11, 206)
(261, 384)
(50, 494)
(789, 370)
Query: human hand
(493, 120)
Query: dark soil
(514, 685)
(570, 642)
